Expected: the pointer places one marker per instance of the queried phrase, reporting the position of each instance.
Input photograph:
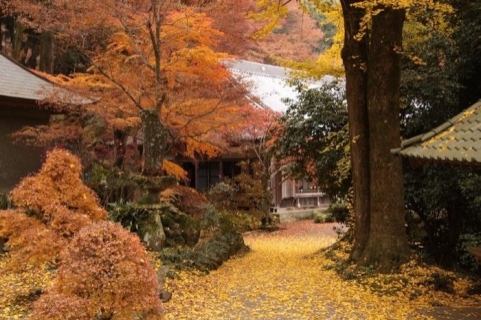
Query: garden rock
(180, 229)
(155, 237)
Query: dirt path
(283, 279)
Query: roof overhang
(455, 142)
(19, 82)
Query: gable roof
(268, 85)
(17, 81)
(457, 140)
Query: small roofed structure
(457, 141)
(21, 92)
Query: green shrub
(338, 211)
(111, 184)
(323, 217)
(179, 228)
(320, 217)
(222, 195)
(245, 192)
(206, 256)
(466, 260)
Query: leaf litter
(286, 277)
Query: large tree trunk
(120, 150)
(387, 246)
(354, 55)
(154, 144)
(46, 52)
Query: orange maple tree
(50, 208)
(255, 133)
(105, 274)
(156, 67)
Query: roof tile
(456, 140)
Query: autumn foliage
(50, 208)
(188, 200)
(105, 274)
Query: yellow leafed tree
(372, 33)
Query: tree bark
(387, 246)
(120, 149)
(154, 142)
(46, 52)
(354, 55)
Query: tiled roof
(268, 85)
(17, 81)
(457, 140)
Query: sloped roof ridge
(259, 69)
(450, 122)
(26, 69)
(431, 133)
(258, 74)
(457, 140)
(18, 81)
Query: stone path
(283, 279)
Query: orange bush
(50, 208)
(58, 183)
(105, 274)
(187, 199)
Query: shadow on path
(450, 313)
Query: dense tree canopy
(311, 140)
(371, 53)
(153, 64)
(434, 87)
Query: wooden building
(21, 92)
(268, 86)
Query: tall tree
(311, 140)
(161, 55)
(372, 61)
(387, 244)
(354, 54)
(374, 107)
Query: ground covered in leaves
(287, 276)
(284, 276)
(19, 289)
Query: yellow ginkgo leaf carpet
(283, 277)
